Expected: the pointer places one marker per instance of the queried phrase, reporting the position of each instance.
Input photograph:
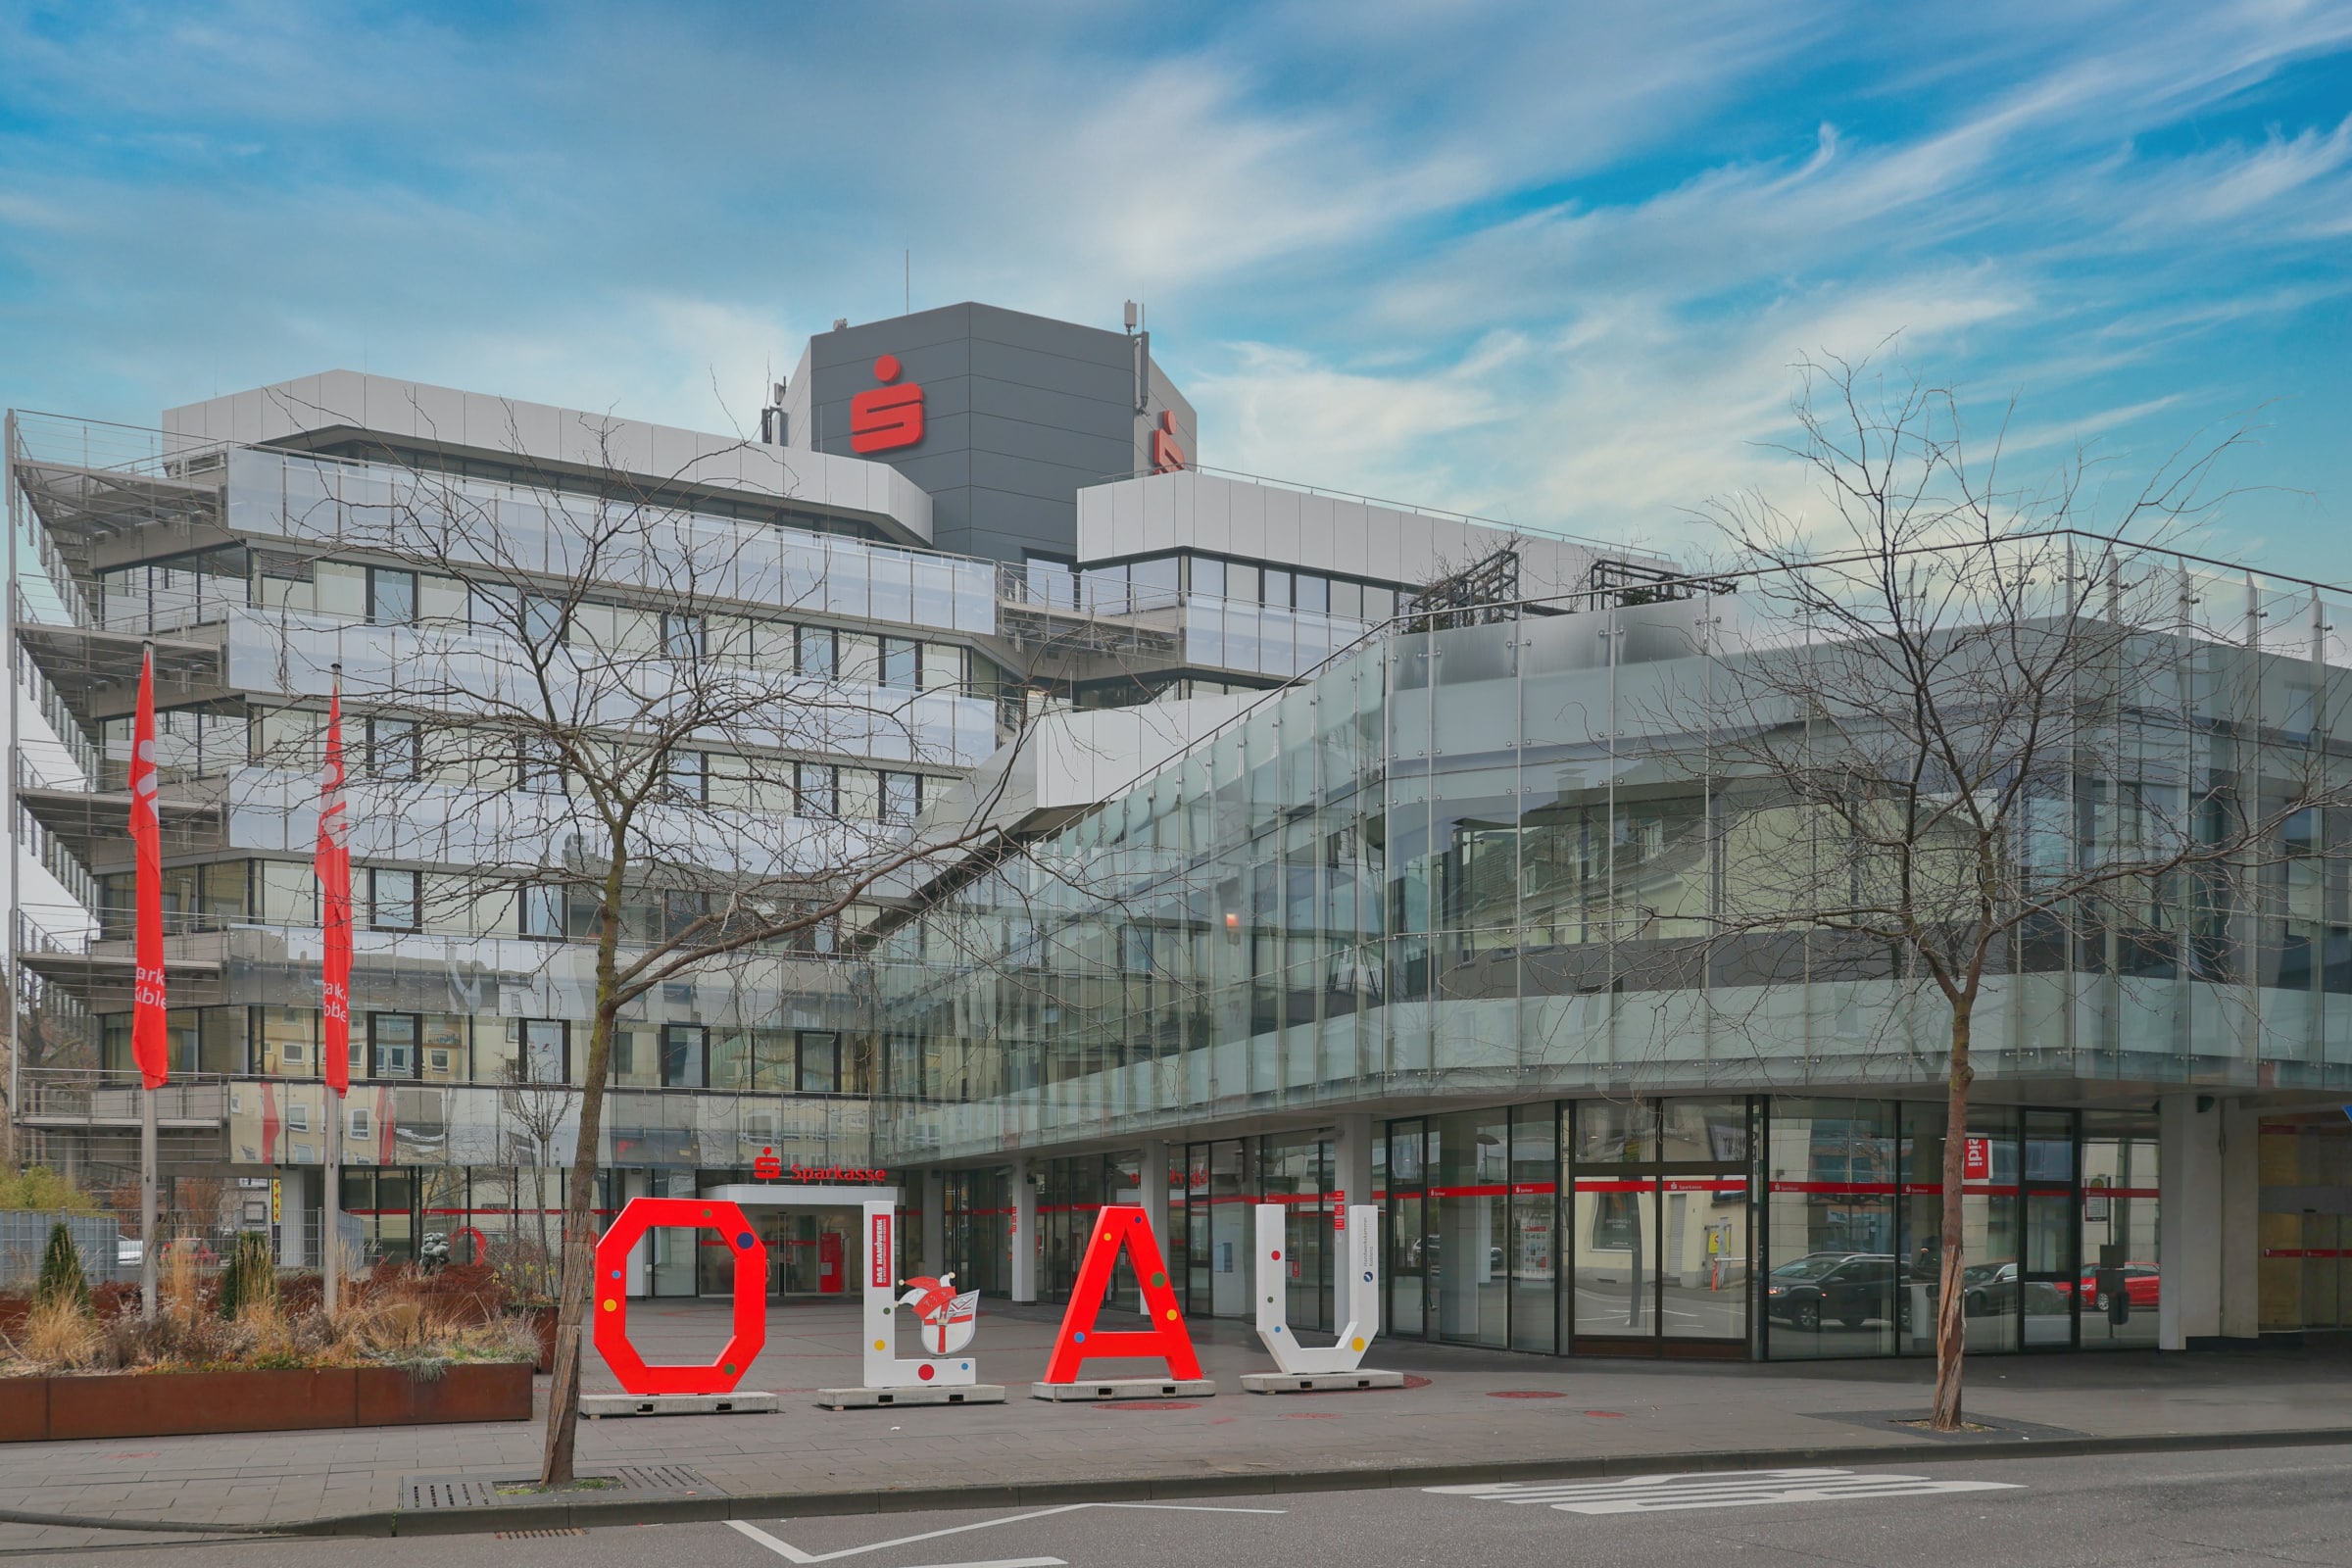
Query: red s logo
(1166, 456)
(885, 417)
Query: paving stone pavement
(1583, 1407)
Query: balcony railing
(56, 1098)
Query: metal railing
(98, 1096)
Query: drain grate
(534, 1535)
(662, 1478)
(450, 1491)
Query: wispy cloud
(1546, 262)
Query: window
(1347, 599)
(391, 597)
(899, 662)
(392, 1045)
(814, 652)
(1314, 592)
(543, 1051)
(538, 768)
(683, 1047)
(395, 749)
(1241, 582)
(682, 636)
(1152, 583)
(902, 797)
(542, 913)
(818, 793)
(1278, 587)
(690, 776)
(542, 619)
(1208, 577)
(392, 901)
(820, 1062)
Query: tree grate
(420, 1494)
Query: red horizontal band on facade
(2307, 1252)
(1838, 1189)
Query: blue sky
(1547, 262)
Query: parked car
(2139, 1281)
(1988, 1288)
(130, 1251)
(1847, 1289)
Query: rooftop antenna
(1135, 313)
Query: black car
(1847, 1289)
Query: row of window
(395, 596)
(225, 893)
(459, 1048)
(1157, 582)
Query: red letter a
(1078, 1342)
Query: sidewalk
(1478, 1409)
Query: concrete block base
(877, 1399)
(1123, 1389)
(597, 1406)
(1319, 1381)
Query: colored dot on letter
(879, 1346)
(730, 1369)
(609, 1304)
(924, 1372)
(1276, 1254)
(1158, 1280)
(1171, 1314)
(1355, 1345)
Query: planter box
(163, 1405)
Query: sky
(1551, 264)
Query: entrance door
(809, 1250)
(829, 1262)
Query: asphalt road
(2286, 1505)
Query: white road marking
(1722, 1489)
(792, 1553)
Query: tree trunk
(1951, 1323)
(579, 1239)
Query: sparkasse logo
(885, 417)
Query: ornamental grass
(397, 1316)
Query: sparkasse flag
(334, 899)
(150, 1018)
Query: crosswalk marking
(1720, 1489)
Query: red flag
(150, 1022)
(335, 888)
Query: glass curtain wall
(2122, 1282)
(976, 1236)
(1295, 1171)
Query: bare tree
(591, 728)
(1953, 735)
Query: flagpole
(147, 1204)
(331, 1205)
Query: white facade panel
(445, 417)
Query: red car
(2139, 1286)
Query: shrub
(251, 1278)
(61, 1279)
(37, 1187)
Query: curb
(562, 1515)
